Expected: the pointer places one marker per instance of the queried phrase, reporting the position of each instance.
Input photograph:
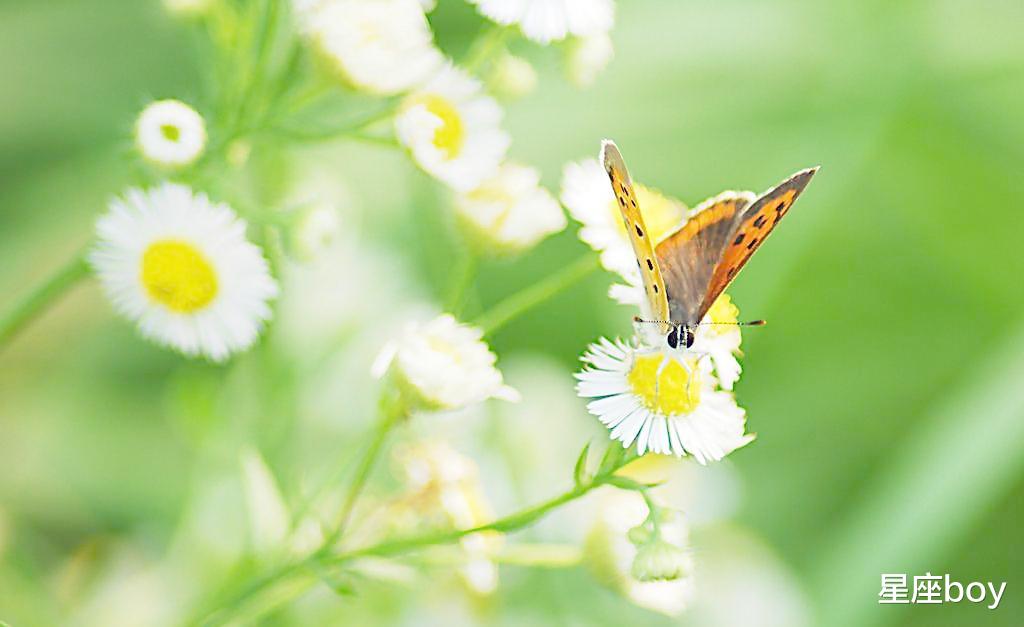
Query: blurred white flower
(443, 364)
(170, 133)
(611, 556)
(452, 129)
(664, 406)
(445, 481)
(316, 229)
(587, 195)
(510, 210)
(187, 8)
(512, 76)
(179, 265)
(383, 47)
(586, 57)
(545, 21)
(428, 5)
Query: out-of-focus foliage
(891, 293)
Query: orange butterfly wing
(647, 261)
(755, 224)
(688, 257)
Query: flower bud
(660, 561)
(512, 77)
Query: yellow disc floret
(724, 314)
(177, 275)
(674, 393)
(449, 136)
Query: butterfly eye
(673, 337)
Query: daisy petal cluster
(179, 265)
(452, 130)
(443, 365)
(510, 210)
(545, 21)
(170, 133)
(384, 47)
(660, 403)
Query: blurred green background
(886, 392)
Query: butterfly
(689, 269)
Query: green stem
(354, 128)
(42, 297)
(486, 45)
(252, 594)
(390, 414)
(521, 302)
(265, 37)
(462, 278)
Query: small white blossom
(170, 133)
(383, 47)
(511, 210)
(443, 365)
(545, 21)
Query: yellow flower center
(662, 215)
(170, 132)
(724, 314)
(450, 135)
(178, 276)
(673, 392)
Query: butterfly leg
(690, 371)
(665, 359)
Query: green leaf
(579, 473)
(612, 459)
(625, 483)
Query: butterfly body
(686, 272)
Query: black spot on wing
(751, 244)
(650, 265)
(639, 231)
(739, 239)
(759, 222)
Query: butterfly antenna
(748, 323)
(642, 321)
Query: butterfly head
(680, 336)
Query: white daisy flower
(677, 412)
(451, 129)
(586, 57)
(170, 133)
(587, 195)
(545, 21)
(179, 265)
(383, 47)
(443, 365)
(511, 210)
